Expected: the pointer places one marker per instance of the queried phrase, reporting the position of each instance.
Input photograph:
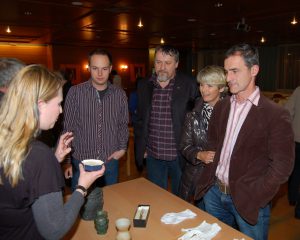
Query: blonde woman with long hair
(31, 180)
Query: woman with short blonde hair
(212, 80)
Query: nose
(162, 66)
(204, 88)
(99, 72)
(229, 76)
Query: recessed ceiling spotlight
(77, 3)
(212, 34)
(294, 21)
(218, 4)
(192, 20)
(8, 29)
(27, 13)
(262, 40)
(140, 24)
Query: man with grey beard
(163, 101)
(9, 67)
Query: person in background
(96, 112)
(9, 67)
(163, 101)
(293, 106)
(254, 149)
(193, 143)
(132, 103)
(116, 79)
(31, 181)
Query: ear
(177, 64)
(254, 70)
(41, 105)
(110, 68)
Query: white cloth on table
(174, 218)
(204, 231)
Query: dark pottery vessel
(93, 203)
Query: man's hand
(117, 155)
(63, 147)
(67, 169)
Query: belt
(222, 187)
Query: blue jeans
(110, 176)
(158, 172)
(222, 207)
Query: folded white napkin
(174, 218)
(204, 231)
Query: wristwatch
(83, 189)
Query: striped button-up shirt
(100, 126)
(237, 115)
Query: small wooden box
(141, 215)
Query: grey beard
(162, 78)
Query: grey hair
(9, 67)
(247, 52)
(169, 50)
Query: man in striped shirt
(97, 113)
(163, 101)
(253, 140)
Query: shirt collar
(90, 84)
(253, 98)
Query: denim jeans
(222, 207)
(110, 176)
(158, 172)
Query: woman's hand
(63, 147)
(87, 178)
(206, 156)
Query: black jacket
(184, 93)
(193, 140)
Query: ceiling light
(140, 25)
(294, 21)
(77, 3)
(262, 40)
(218, 4)
(8, 29)
(192, 20)
(162, 41)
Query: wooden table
(121, 200)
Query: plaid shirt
(161, 141)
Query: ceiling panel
(198, 24)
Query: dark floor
(283, 225)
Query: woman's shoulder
(39, 154)
(39, 146)
(198, 105)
